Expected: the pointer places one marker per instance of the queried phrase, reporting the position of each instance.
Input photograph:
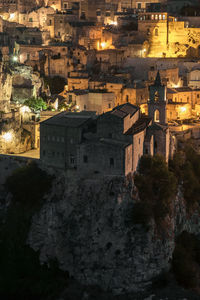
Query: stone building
(110, 144)
(193, 78)
(109, 58)
(169, 76)
(168, 37)
(99, 101)
(158, 133)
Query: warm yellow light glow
(12, 15)
(183, 109)
(25, 109)
(103, 45)
(15, 58)
(7, 136)
(77, 107)
(113, 23)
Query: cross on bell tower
(157, 103)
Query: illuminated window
(163, 17)
(152, 17)
(156, 96)
(156, 116)
(160, 17)
(156, 17)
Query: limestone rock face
(5, 89)
(18, 141)
(26, 83)
(88, 227)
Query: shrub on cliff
(36, 104)
(156, 186)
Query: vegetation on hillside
(36, 104)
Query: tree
(156, 186)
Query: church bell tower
(157, 103)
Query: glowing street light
(15, 58)
(7, 136)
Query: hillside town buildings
(97, 68)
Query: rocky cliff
(87, 225)
(5, 89)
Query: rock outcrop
(87, 225)
(5, 88)
(26, 83)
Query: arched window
(156, 96)
(157, 116)
(156, 32)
